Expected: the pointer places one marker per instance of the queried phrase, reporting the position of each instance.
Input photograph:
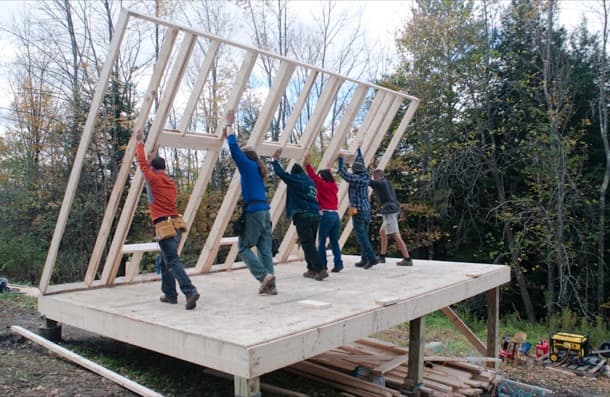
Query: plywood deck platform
(236, 331)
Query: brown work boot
(191, 300)
(405, 262)
(166, 299)
(321, 275)
(310, 274)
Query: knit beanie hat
(358, 165)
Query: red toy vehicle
(542, 348)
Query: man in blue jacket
(303, 208)
(358, 193)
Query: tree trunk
(509, 241)
(603, 129)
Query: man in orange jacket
(162, 205)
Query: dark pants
(307, 227)
(172, 269)
(361, 222)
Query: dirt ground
(27, 369)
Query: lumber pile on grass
(373, 368)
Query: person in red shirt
(329, 221)
(161, 190)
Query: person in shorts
(390, 210)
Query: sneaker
(310, 274)
(381, 259)
(166, 299)
(405, 262)
(321, 275)
(360, 264)
(191, 301)
(370, 264)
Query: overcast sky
(382, 19)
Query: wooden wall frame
(175, 54)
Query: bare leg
(383, 238)
(401, 244)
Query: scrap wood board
(575, 366)
(373, 366)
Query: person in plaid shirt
(358, 181)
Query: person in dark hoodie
(302, 207)
(358, 192)
(390, 210)
(257, 231)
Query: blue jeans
(307, 227)
(172, 269)
(329, 228)
(361, 222)
(257, 233)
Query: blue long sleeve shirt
(300, 191)
(252, 183)
(358, 190)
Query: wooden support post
(50, 330)
(132, 267)
(415, 376)
(231, 256)
(245, 387)
(493, 322)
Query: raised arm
(310, 171)
(141, 155)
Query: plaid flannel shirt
(358, 186)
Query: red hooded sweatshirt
(327, 190)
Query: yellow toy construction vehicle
(565, 345)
